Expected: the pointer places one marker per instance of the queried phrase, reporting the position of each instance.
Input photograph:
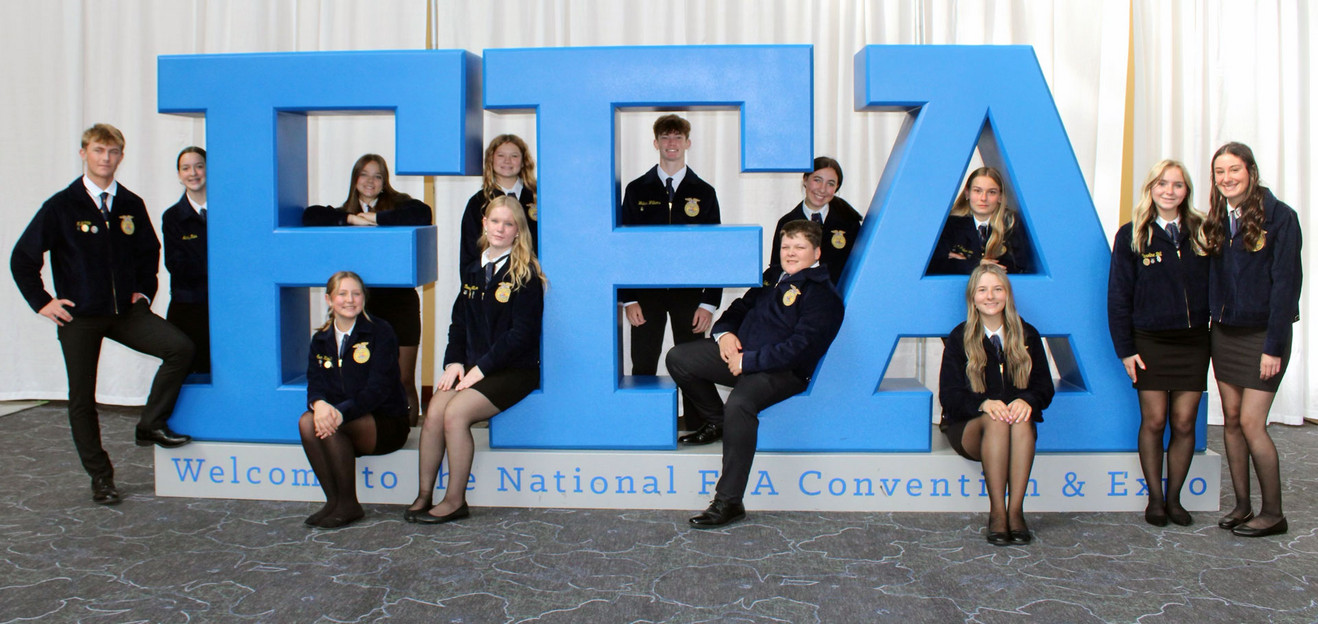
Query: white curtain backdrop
(85, 62)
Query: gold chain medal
(126, 224)
(789, 297)
(839, 239)
(360, 354)
(692, 207)
(503, 292)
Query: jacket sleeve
(528, 306)
(456, 351)
(410, 212)
(941, 264)
(815, 329)
(1287, 275)
(627, 216)
(381, 377)
(323, 215)
(1040, 389)
(29, 256)
(146, 268)
(1121, 295)
(959, 402)
(318, 377)
(469, 252)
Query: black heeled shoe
(426, 517)
(1277, 528)
(1229, 522)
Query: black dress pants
(678, 306)
(697, 367)
(194, 320)
(140, 330)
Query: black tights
(1245, 435)
(1180, 451)
(334, 460)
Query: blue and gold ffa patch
(361, 354)
(692, 208)
(126, 225)
(790, 296)
(503, 292)
(839, 239)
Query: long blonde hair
(1001, 222)
(1144, 216)
(521, 259)
(333, 285)
(1013, 334)
(527, 173)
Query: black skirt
(1237, 353)
(401, 308)
(390, 433)
(506, 387)
(1175, 359)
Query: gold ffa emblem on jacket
(126, 224)
(692, 207)
(839, 239)
(503, 292)
(360, 354)
(530, 212)
(790, 296)
(1263, 238)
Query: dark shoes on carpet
(1277, 528)
(705, 435)
(425, 517)
(718, 514)
(1229, 521)
(162, 437)
(104, 492)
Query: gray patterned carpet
(175, 560)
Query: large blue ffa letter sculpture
(256, 107)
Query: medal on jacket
(692, 207)
(326, 362)
(360, 354)
(83, 226)
(1157, 256)
(503, 292)
(789, 297)
(839, 239)
(530, 212)
(126, 224)
(1262, 239)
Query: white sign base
(684, 478)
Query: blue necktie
(1174, 232)
(668, 186)
(817, 218)
(105, 209)
(997, 345)
(983, 235)
(1235, 224)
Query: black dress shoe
(1229, 522)
(999, 538)
(425, 517)
(1179, 516)
(1277, 528)
(718, 514)
(1155, 515)
(1020, 537)
(162, 437)
(705, 435)
(104, 492)
(336, 520)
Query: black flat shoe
(999, 538)
(104, 492)
(1229, 522)
(1277, 528)
(334, 521)
(705, 435)
(161, 437)
(1021, 537)
(718, 514)
(425, 517)
(1179, 516)
(1155, 515)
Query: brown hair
(1003, 219)
(1217, 228)
(812, 231)
(103, 133)
(672, 124)
(824, 162)
(388, 196)
(528, 166)
(191, 149)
